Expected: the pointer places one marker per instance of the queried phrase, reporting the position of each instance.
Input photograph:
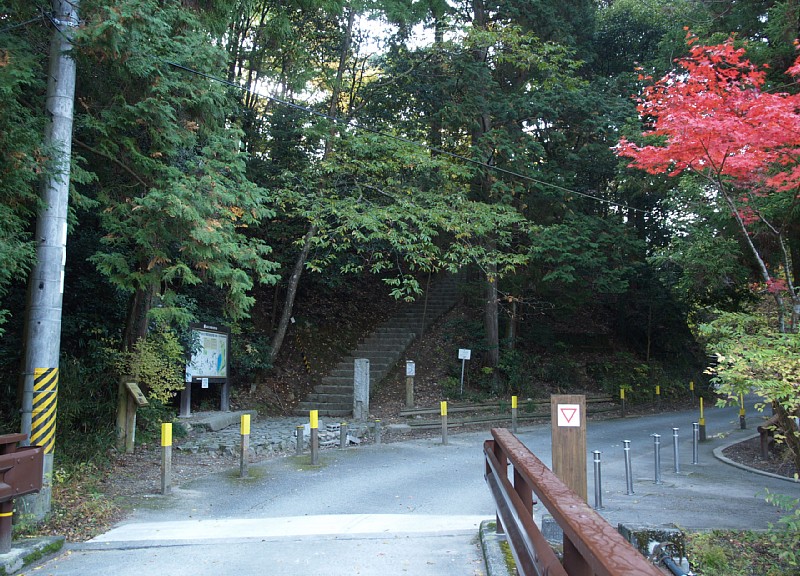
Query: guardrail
(592, 547)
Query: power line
(378, 132)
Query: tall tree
(176, 205)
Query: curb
(27, 551)
(495, 558)
(722, 458)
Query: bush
(156, 363)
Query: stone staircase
(384, 347)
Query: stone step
(318, 398)
(384, 348)
(335, 388)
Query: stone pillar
(361, 389)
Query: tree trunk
(294, 281)
(138, 310)
(491, 320)
(291, 292)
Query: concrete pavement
(413, 507)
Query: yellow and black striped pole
(43, 415)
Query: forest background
(251, 163)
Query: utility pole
(42, 338)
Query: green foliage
(753, 356)
(87, 399)
(786, 536)
(173, 199)
(156, 363)
(736, 553)
(249, 354)
(22, 159)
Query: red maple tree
(711, 116)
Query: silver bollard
(598, 481)
(343, 435)
(299, 441)
(675, 450)
(377, 431)
(657, 452)
(628, 469)
(695, 440)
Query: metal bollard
(628, 468)
(598, 481)
(343, 435)
(298, 445)
(377, 431)
(695, 440)
(675, 450)
(657, 452)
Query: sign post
(568, 421)
(208, 364)
(410, 373)
(463, 355)
(568, 414)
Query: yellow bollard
(443, 406)
(244, 428)
(166, 457)
(514, 414)
(314, 420)
(702, 422)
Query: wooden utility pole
(42, 339)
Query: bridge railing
(592, 547)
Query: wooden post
(568, 422)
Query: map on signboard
(211, 358)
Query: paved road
(407, 507)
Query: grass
(736, 553)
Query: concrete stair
(384, 348)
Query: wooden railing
(592, 547)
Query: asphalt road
(411, 507)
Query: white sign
(464, 353)
(569, 415)
(410, 368)
(204, 382)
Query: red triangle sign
(568, 413)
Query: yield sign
(569, 415)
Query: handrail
(592, 547)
